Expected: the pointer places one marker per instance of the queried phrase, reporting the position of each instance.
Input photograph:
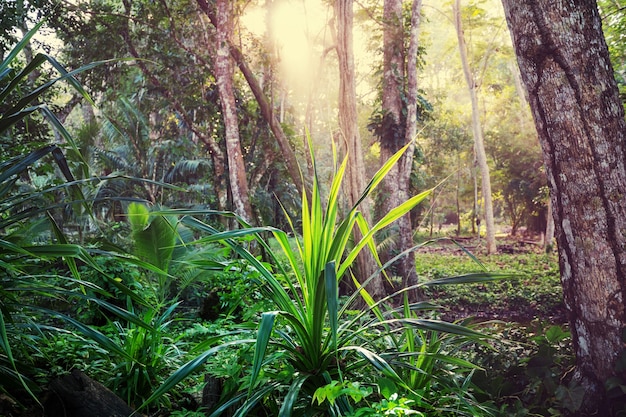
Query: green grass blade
(389, 218)
(381, 173)
(19, 77)
(188, 368)
(6, 347)
(262, 340)
(90, 333)
(20, 45)
(472, 278)
(434, 325)
(21, 163)
(332, 300)
(377, 362)
(292, 396)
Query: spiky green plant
(36, 260)
(319, 339)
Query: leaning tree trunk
(573, 95)
(355, 172)
(479, 146)
(224, 78)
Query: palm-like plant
(319, 340)
(25, 273)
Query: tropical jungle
(277, 208)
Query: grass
(535, 292)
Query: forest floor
(532, 290)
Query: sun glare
(290, 28)
(293, 24)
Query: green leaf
(187, 369)
(387, 387)
(262, 340)
(332, 300)
(20, 45)
(292, 396)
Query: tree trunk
(574, 99)
(355, 172)
(549, 237)
(479, 146)
(398, 130)
(224, 79)
(407, 264)
(265, 106)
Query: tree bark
(349, 132)
(399, 130)
(573, 95)
(479, 146)
(393, 132)
(291, 162)
(549, 237)
(224, 79)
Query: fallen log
(77, 395)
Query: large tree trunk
(479, 146)
(565, 67)
(224, 78)
(355, 172)
(399, 130)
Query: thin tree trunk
(224, 79)
(217, 156)
(575, 102)
(355, 172)
(407, 266)
(479, 145)
(265, 106)
(457, 195)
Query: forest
(312, 208)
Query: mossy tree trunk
(564, 62)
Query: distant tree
(565, 66)
(479, 146)
(350, 138)
(224, 77)
(398, 125)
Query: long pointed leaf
(185, 370)
(263, 338)
(292, 396)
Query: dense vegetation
(122, 263)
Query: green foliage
(151, 354)
(535, 291)
(19, 259)
(614, 27)
(309, 339)
(525, 371)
